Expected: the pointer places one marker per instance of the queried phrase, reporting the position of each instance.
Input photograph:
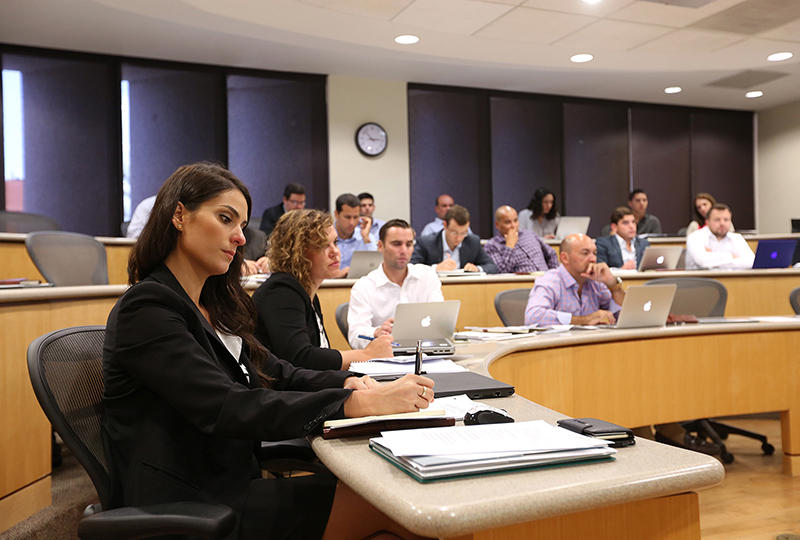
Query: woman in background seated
(541, 215)
(702, 203)
(303, 253)
(189, 392)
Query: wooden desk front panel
(652, 381)
(24, 429)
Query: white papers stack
(435, 453)
(400, 365)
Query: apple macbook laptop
(363, 263)
(774, 253)
(660, 258)
(646, 306)
(431, 322)
(568, 225)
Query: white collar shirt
(374, 298)
(705, 250)
(627, 254)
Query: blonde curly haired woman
(302, 254)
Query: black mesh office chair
(65, 368)
(341, 318)
(794, 299)
(510, 306)
(68, 258)
(705, 297)
(21, 222)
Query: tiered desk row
(632, 377)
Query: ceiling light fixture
(592, 1)
(672, 89)
(754, 94)
(581, 58)
(779, 56)
(406, 39)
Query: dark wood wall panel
(596, 173)
(722, 161)
(660, 161)
(526, 147)
(449, 153)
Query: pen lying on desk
(362, 336)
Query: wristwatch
(618, 285)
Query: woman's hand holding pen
(380, 347)
(361, 383)
(408, 394)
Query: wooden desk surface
(642, 494)
(652, 376)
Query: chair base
(718, 432)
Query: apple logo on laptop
(648, 305)
(660, 259)
(426, 322)
(774, 255)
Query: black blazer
(181, 420)
(608, 250)
(270, 217)
(286, 324)
(428, 250)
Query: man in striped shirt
(580, 291)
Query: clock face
(371, 139)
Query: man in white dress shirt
(715, 246)
(374, 297)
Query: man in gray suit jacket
(623, 249)
(454, 247)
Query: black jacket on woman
(287, 325)
(181, 420)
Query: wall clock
(371, 139)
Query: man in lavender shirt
(518, 251)
(580, 291)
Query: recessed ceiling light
(592, 1)
(779, 56)
(672, 90)
(581, 58)
(754, 94)
(406, 39)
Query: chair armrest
(207, 521)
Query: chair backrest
(255, 247)
(510, 306)
(66, 371)
(68, 258)
(701, 297)
(794, 299)
(341, 318)
(21, 222)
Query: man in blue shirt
(353, 230)
(367, 202)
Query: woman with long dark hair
(189, 392)
(541, 215)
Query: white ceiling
(640, 46)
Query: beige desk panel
(25, 440)
(648, 380)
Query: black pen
(418, 359)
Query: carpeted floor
(72, 492)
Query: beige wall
(778, 188)
(352, 102)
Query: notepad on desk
(437, 453)
(390, 366)
(372, 425)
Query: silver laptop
(364, 262)
(431, 322)
(660, 258)
(568, 225)
(646, 306)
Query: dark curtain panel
(722, 161)
(277, 134)
(71, 118)
(660, 160)
(177, 117)
(526, 148)
(596, 174)
(449, 152)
